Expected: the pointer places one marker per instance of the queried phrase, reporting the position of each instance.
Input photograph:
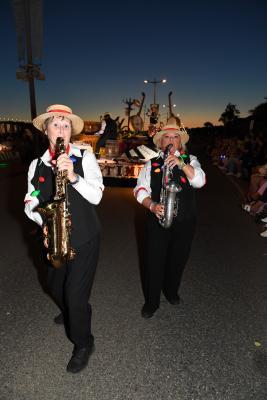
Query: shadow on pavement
(30, 232)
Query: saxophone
(168, 193)
(58, 218)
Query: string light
(3, 165)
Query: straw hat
(170, 128)
(59, 110)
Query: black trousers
(70, 286)
(100, 143)
(167, 253)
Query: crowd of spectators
(25, 143)
(245, 159)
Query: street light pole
(169, 115)
(155, 82)
(28, 14)
(154, 107)
(29, 59)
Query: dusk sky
(210, 52)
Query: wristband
(76, 180)
(151, 205)
(181, 164)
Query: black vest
(187, 201)
(84, 220)
(110, 131)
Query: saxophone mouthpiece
(60, 146)
(168, 149)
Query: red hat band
(61, 111)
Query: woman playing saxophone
(168, 249)
(61, 184)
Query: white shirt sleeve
(142, 188)
(101, 130)
(199, 179)
(91, 186)
(32, 201)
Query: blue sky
(211, 53)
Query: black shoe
(147, 311)
(59, 319)
(259, 216)
(174, 301)
(79, 359)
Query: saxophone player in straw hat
(168, 249)
(71, 284)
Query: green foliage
(230, 114)
(208, 125)
(260, 112)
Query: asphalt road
(212, 346)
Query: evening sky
(94, 56)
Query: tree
(230, 114)
(260, 111)
(208, 125)
(259, 118)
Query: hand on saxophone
(172, 160)
(64, 163)
(157, 209)
(45, 236)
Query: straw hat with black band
(59, 110)
(171, 128)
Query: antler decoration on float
(128, 109)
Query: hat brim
(77, 122)
(157, 137)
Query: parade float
(124, 157)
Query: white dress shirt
(143, 189)
(90, 186)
